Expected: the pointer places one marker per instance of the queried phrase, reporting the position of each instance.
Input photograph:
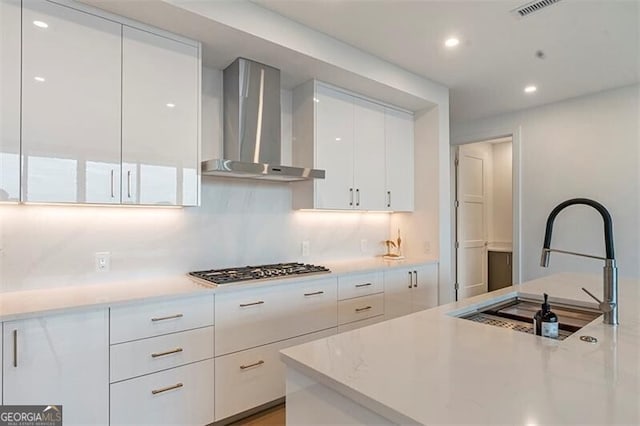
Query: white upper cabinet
(369, 162)
(70, 105)
(365, 148)
(60, 359)
(160, 106)
(334, 149)
(399, 160)
(9, 100)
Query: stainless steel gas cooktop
(248, 273)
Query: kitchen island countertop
(433, 368)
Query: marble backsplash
(239, 222)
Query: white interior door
(471, 222)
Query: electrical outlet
(305, 248)
(364, 245)
(103, 261)
(427, 246)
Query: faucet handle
(603, 306)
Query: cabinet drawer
(359, 285)
(179, 396)
(154, 319)
(359, 324)
(360, 308)
(254, 377)
(254, 317)
(145, 356)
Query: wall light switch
(305, 248)
(427, 246)
(103, 261)
(364, 245)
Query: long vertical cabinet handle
(415, 277)
(508, 259)
(15, 348)
(410, 279)
(358, 197)
(128, 183)
(113, 195)
(351, 196)
(388, 198)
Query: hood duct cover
(252, 144)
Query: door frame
(516, 181)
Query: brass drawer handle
(315, 293)
(244, 305)
(172, 351)
(366, 308)
(255, 364)
(363, 285)
(167, 318)
(168, 388)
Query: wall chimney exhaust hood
(251, 144)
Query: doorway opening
(484, 216)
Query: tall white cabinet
(160, 97)
(70, 105)
(9, 100)
(59, 360)
(365, 147)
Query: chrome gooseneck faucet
(609, 306)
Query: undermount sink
(517, 314)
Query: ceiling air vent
(532, 7)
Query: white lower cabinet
(253, 317)
(255, 376)
(59, 360)
(178, 396)
(162, 367)
(360, 308)
(408, 290)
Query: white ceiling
(589, 45)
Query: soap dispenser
(545, 322)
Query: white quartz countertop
(433, 368)
(30, 303)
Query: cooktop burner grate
(247, 273)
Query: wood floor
(274, 416)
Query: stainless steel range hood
(252, 145)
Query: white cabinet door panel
(182, 396)
(9, 100)
(160, 86)
(254, 317)
(398, 284)
(369, 162)
(60, 359)
(400, 160)
(425, 287)
(334, 149)
(146, 356)
(254, 377)
(70, 105)
(153, 319)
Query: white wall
(582, 147)
(239, 222)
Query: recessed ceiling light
(338, 139)
(40, 24)
(451, 42)
(39, 79)
(530, 89)
(170, 105)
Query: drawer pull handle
(168, 388)
(363, 285)
(366, 308)
(315, 293)
(172, 351)
(244, 305)
(15, 348)
(255, 364)
(167, 318)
